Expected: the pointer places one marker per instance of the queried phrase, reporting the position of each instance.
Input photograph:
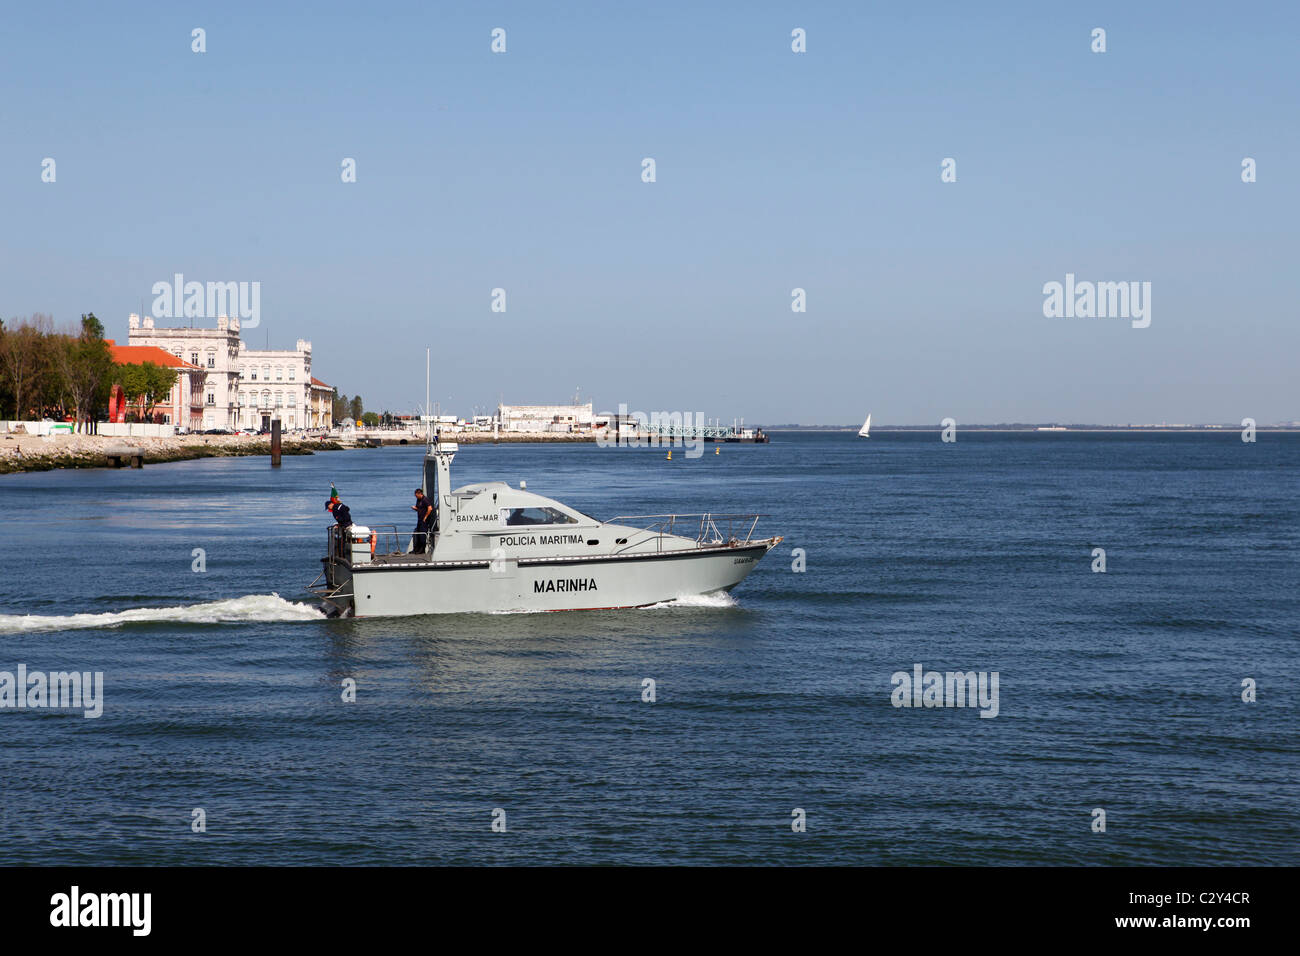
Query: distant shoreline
(22, 454)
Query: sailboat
(866, 427)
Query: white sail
(866, 427)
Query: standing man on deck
(341, 514)
(423, 509)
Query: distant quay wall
(23, 453)
(466, 438)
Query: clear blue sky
(775, 171)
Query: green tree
(355, 408)
(25, 362)
(6, 393)
(86, 367)
(91, 327)
(371, 419)
(340, 410)
(146, 385)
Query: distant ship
(1051, 428)
(866, 427)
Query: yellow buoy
(717, 451)
(670, 456)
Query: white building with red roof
(215, 351)
(241, 387)
(321, 411)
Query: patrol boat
(495, 548)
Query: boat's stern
(333, 586)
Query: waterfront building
(184, 406)
(215, 351)
(321, 413)
(545, 418)
(275, 383)
(243, 388)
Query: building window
(291, 374)
(194, 358)
(254, 375)
(279, 374)
(212, 398)
(212, 360)
(279, 400)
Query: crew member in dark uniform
(344, 518)
(341, 513)
(423, 509)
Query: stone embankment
(45, 453)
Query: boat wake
(712, 599)
(251, 607)
(715, 599)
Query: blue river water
(1119, 691)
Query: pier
(707, 433)
(119, 456)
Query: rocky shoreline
(23, 453)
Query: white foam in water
(712, 599)
(251, 607)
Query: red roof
(139, 354)
(316, 381)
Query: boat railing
(709, 528)
(387, 539)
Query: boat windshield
(522, 516)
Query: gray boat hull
(557, 584)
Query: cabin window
(522, 516)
